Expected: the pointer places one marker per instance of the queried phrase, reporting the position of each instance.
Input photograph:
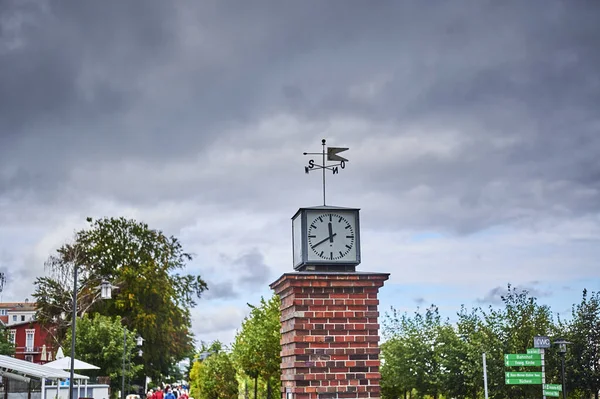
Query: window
(14, 317)
(12, 337)
(3, 312)
(29, 358)
(22, 317)
(29, 334)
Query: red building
(25, 332)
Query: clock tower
(329, 327)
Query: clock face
(331, 236)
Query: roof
(34, 370)
(19, 306)
(21, 323)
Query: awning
(65, 364)
(12, 365)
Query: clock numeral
(348, 246)
(341, 254)
(320, 219)
(340, 221)
(312, 236)
(331, 255)
(313, 226)
(321, 254)
(347, 227)
(330, 216)
(349, 236)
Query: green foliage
(430, 357)
(151, 295)
(583, 361)
(6, 346)
(257, 345)
(215, 376)
(99, 341)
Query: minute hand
(322, 241)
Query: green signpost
(533, 358)
(552, 387)
(522, 374)
(546, 392)
(532, 363)
(523, 356)
(523, 381)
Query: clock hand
(330, 232)
(323, 240)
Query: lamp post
(139, 341)
(562, 349)
(105, 293)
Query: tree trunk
(269, 388)
(255, 387)
(245, 389)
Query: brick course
(330, 334)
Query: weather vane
(332, 155)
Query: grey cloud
(252, 269)
(220, 290)
(494, 296)
(419, 301)
(116, 96)
(217, 320)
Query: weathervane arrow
(332, 154)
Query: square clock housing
(326, 238)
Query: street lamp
(562, 349)
(139, 341)
(105, 293)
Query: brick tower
(329, 333)
(329, 329)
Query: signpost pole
(485, 377)
(543, 372)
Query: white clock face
(332, 236)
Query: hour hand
(323, 240)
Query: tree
(6, 346)
(99, 341)
(257, 345)
(151, 296)
(215, 376)
(430, 357)
(583, 364)
(396, 373)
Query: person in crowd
(169, 394)
(158, 393)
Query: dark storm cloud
(102, 98)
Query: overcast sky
(473, 127)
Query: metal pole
(564, 386)
(543, 371)
(323, 141)
(485, 386)
(73, 323)
(124, 349)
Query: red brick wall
(330, 334)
